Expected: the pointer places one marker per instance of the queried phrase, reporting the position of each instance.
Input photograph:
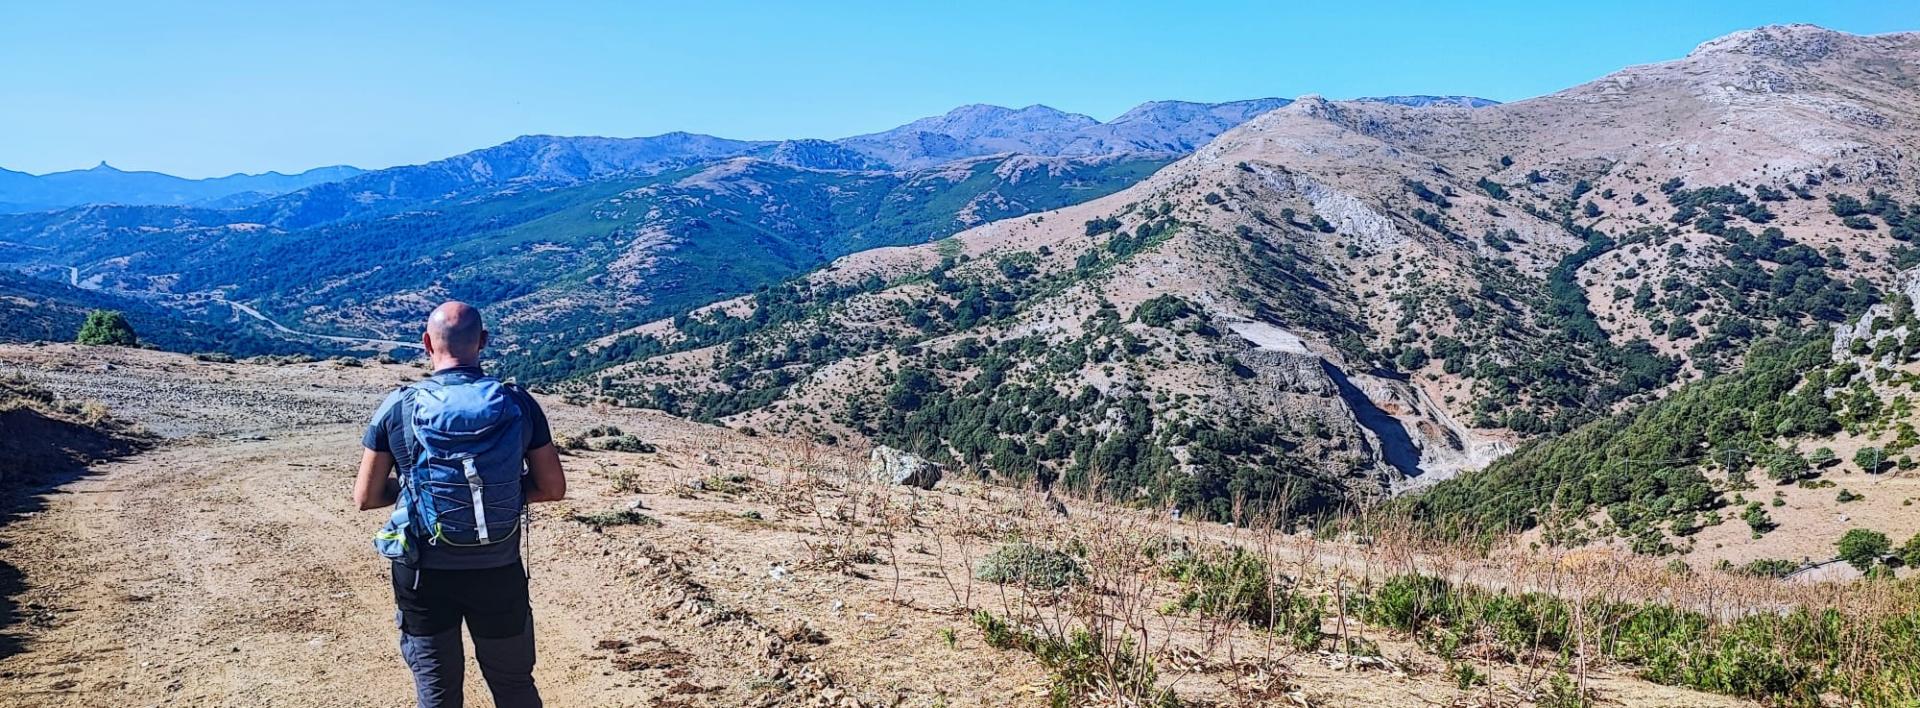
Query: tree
(1870, 459)
(107, 327)
(1757, 519)
(1788, 467)
(1862, 548)
(1910, 551)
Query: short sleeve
(542, 435)
(375, 438)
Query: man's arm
(375, 486)
(548, 481)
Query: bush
(107, 328)
(1863, 549)
(1757, 519)
(1408, 602)
(1030, 566)
(1910, 551)
(1240, 586)
(1162, 311)
(624, 517)
(626, 443)
(1870, 459)
(1085, 667)
(1769, 568)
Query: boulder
(891, 466)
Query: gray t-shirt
(387, 433)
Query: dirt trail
(227, 568)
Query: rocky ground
(226, 566)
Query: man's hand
(549, 481)
(375, 486)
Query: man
(461, 454)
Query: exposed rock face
(1403, 428)
(1844, 335)
(1282, 358)
(891, 466)
(1429, 444)
(1292, 372)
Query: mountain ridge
(1469, 275)
(103, 183)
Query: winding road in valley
(73, 278)
(314, 335)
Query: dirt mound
(41, 434)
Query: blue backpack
(468, 442)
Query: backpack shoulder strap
(405, 410)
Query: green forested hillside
(1660, 471)
(558, 265)
(34, 309)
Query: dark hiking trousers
(493, 603)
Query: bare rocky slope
(1337, 299)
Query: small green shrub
(1238, 585)
(1084, 666)
(107, 328)
(1030, 566)
(623, 517)
(625, 443)
(1407, 602)
(1769, 568)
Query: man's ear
(426, 343)
(484, 336)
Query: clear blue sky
(202, 89)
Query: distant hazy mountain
(326, 194)
(532, 159)
(972, 130)
(1167, 126)
(104, 184)
(573, 235)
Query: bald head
(454, 332)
